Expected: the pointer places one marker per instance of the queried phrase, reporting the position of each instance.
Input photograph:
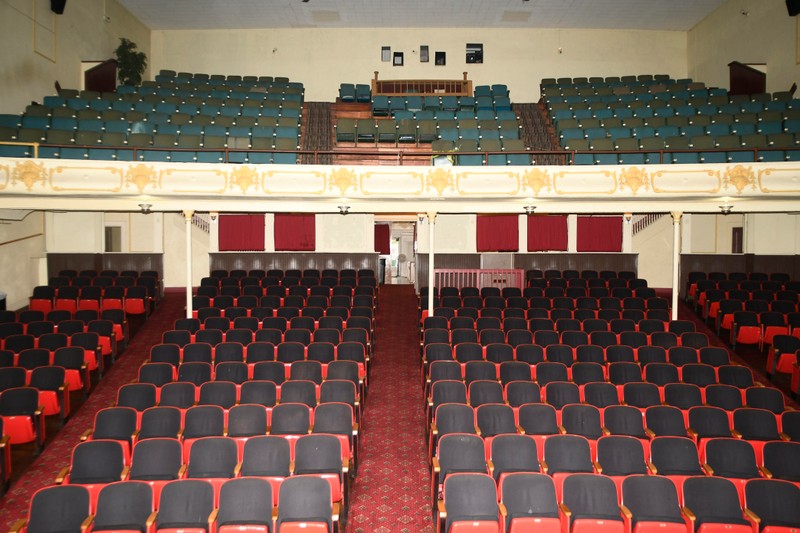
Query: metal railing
(479, 278)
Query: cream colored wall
(175, 252)
(655, 248)
(74, 232)
(452, 234)
(21, 258)
(767, 34)
(710, 234)
(322, 58)
(81, 34)
(352, 233)
(771, 234)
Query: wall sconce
(726, 208)
(344, 209)
(627, 217)
(145, 208)
(213, 216)
(529, 209)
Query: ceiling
(677, 15)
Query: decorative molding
(55, 184)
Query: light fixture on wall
(627, 217)
(726, 208)
(529, 209)
(344, 209)
(212, 216)
(145, 208)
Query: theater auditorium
(463, 265)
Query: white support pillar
(431, 243)
(187, 215)
(676, 260)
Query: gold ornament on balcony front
(536, 179)
(342, 179)
(439, 179)
(244, 177)
(141, 176)
(634, 178)
(740, 177)
(29, 173)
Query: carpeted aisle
(56, 454)
(390, 493)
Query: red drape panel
(599, 234)
(241, 233)
(382, 238)
(295, 232)
(547, 233)
(497, 233)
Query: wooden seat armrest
(17, 526)
(62, 475)
(626, 512)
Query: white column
(676, 260)
(572, 233)
(431, 277)
(187, 215)
(627, 233)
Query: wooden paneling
(98, 262)
(614, 262)
(471, 261)
(747, 263)
(284, 261)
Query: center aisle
(390, 493)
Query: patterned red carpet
(56, 455)
(390, 493)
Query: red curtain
(241, 233)
(497, 233)
(295, 232)
(599, 234)
(547, 233)
(382, 238)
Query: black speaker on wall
(793, 7)
(57, 6)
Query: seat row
(188, 425)
(187, 504)
(535, 319)
(299, 335)
(556, 391)
(700, 376)
(569, 355)
(656, 343)
(330, 282)
(167, 75)
(529, 501)
(556, 298)
(616, 457)
(383, 105)
(294, 273)
(39, 322)
(161, 370)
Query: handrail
(569, 155)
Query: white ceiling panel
(680, 15)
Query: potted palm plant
(130, 62)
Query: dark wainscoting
(284, 261)
(98, 262)
(747, 263)
(615, 262)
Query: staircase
(537, 133)
(317, 132)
